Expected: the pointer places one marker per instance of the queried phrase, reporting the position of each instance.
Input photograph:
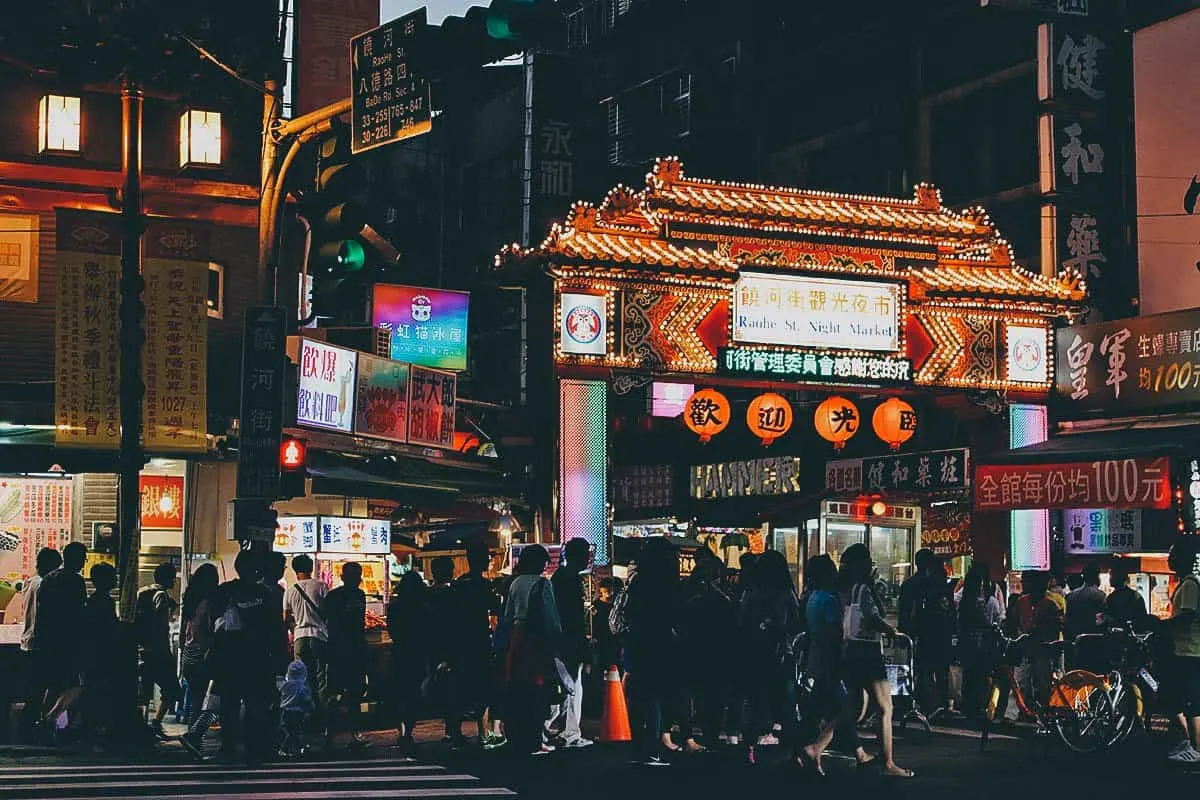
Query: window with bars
(680, 111)
(615, 132)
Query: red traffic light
(292, 453)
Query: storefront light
(166, 503)
(59, 123)
(200, 138)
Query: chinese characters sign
(583, 328)
(1102, 530)
(643, 486)
(427, 327)
(296, 535)
(946, 530)
(354, 535)
(817, 312)
(931, 471)
(261, 423)
(1142, 363)
(1073, 66)
(326, 391)
(1125, 483)
(34, 513)
(816, 367)
(764, 476)
(844, 475)
(431, 405)
(389, 91)
(19, 258)
(381, 399)
(175, 361)
(87, 355)
(162, 502)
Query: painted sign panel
(817, 312)
(34, 513)
(946, 530)
(353, 535)
(1102, 530)
(263, 370)
(162, 502)
(427, 327)
(583, 329)
(821, 366)
(296, 535)
(1141, 363)
(326, 391)
(764, 476)
(432, 396)
(1125, 483)
(1027, 348)
(87, 351)
(932, 471)
(643, 486)
(381, 399)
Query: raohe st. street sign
(389, 92)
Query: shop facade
(732, 301)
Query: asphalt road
(947, 763)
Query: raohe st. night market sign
(1137, 364)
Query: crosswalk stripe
(224, 769)
(382, 794)
(264, 781)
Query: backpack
(618, 621)
(934, 612)
(144, 616)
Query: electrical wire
(233, 73)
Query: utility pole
(131, 457)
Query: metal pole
(131, 387)
(266, 250)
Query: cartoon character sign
(583, 329)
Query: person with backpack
(304, 615)
(927, 617)
(152, 614)
(475, 602)
(242, 650)
(528, 644)
(979, 618)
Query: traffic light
(293, 467)
(337, 254)
(485, 34)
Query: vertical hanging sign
(175, 363)
(87, 354)
(431, 402)
(261, 423)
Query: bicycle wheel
(1125, 715)
(1090, 726)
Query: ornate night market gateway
(707, 282)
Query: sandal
(900, 772)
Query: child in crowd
(295, 705)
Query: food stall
(335, 541)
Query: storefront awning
(400, 479)
(1118, 443)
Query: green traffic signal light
(351, 256)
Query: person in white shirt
(304, 615)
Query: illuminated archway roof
(679, 224)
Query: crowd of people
(707, 660)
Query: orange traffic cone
(615, 725)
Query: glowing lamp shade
(878, 508)
(836, 421)
(59, 124)
(894, 422)
(769, 416)
(166, 503)
(200, 138)
(706, 413)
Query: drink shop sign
(325, 396)
(1138, 364)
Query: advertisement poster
(354, 536)
(326, 391)
(87, 351)
(162, 502)
(374, 576)
(34, 513)
(19, 258)
(1102, 530)
(175, 357)
(817, 312)
(1125, 483)
(584, 327)
(431, 405)
(381, 399)
(1146, 363)
(428, 327)
(946, 530)
(296, 535)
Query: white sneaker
(733, 740)
(768, 740)
(544, 750)
(1184, 753)
(578, 744)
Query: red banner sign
(162, 501)
(1116, 483)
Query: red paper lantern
(894, 422)
(769, 416)
(837, 421)
(706, 413)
